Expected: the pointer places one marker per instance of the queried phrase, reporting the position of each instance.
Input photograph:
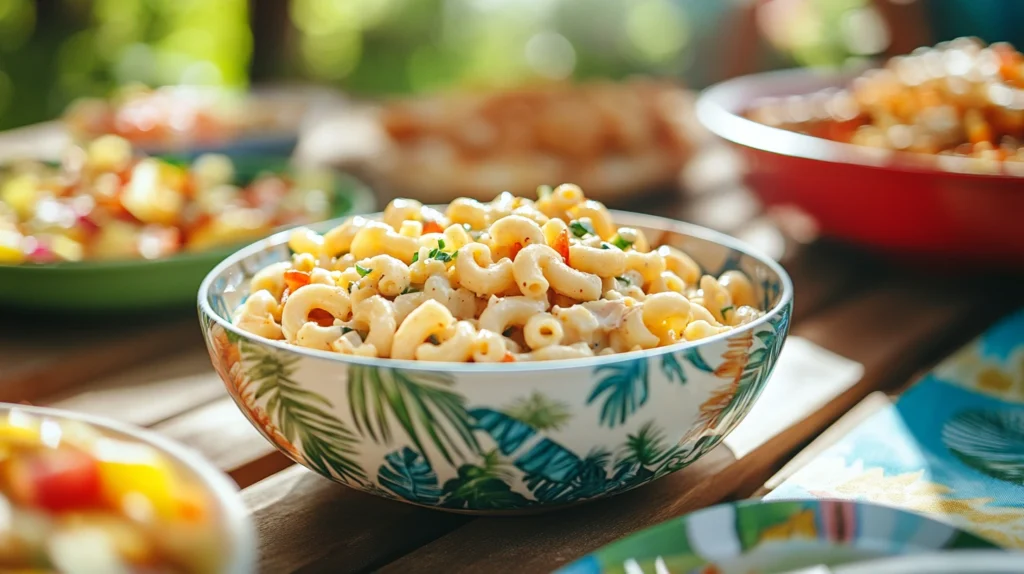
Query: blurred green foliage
(53, 51)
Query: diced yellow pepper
(10, 247)
(148, 197)
(19, 433)
(21, 192)
(136, 479)
(110, 153)
(66, 248)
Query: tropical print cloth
(951, 447)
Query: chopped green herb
(440, 243)
(362, 271)
(621, 243)
(455, 255)
(605, 245)
(410, 289)
(415, 257)
(433, 340)
(581, 227)
(508, 332)
(624, 280)
(441, 256)
(345, 330)
(726, 310)
(544, 191)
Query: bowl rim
(360, 196)
(624, 217)
(237, 520)
(720, 106)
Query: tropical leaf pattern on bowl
(990, 441)
(504, 438)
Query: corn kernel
(21, 193)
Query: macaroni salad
(508, 280)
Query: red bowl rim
(719, 109)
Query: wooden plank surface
(308, 523)
(44, 357)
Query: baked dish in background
(613, 139)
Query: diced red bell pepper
(295, 279)
(58, 480)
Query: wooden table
(860, 325)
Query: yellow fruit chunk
(21, 193)
(109, 153)
(66, 248)
(136, 479)
(150, 197)
(116, 240)
(211, 170)
(235, 226)
(10, 247)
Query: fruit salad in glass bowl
(79, 496)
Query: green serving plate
(146, 285)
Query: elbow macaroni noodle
(509, 280)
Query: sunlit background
(53, 51)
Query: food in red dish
(104, 202)
(76, 500)
(960, 98)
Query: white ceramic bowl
(489, 438)
(234, 524)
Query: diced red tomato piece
(321, 317)
(295, 279)
(58, 480)
(508, 358)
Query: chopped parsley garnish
(726, 310)
(410, 289)
(345, 330)
(581, 227)
(606, 245)
(362, 271)
(621, 243)
(624, 280)
(544, 191)
(440, 254)
(415, 257)
(433, 340)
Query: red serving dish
(898, 202)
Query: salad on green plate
(107, 230)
